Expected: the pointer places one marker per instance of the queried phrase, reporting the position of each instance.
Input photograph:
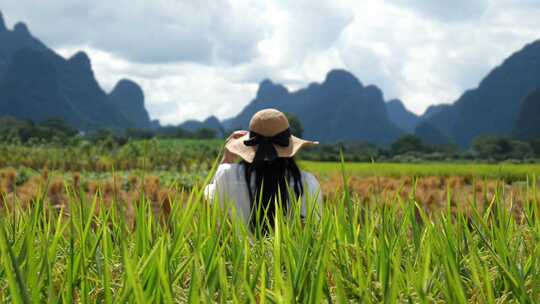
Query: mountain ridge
(124, 95)
(401, 116)
(492, 108)
(3, 26)
(37, 84)
(342, 109)
(528, 124)
(72, 93)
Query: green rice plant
(352, 250)
(188, 155)
(192, 155)
(503, 171)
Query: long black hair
(271, 183)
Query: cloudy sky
(201, 57)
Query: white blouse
(230, 186)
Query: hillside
(128, 97)
(340, 108)
(211, 123)
(494, 106)
(528, 122)
(38, 84)
(400, 116)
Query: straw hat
(267, 125)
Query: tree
(107, 138)
(491, 146)
(295, 125)
(407, 143)
(520, 150)
(58, 125)
(205, 133)
(12, 129)
(535, 146)
(136, 133)
(181, 133)
(500, 148)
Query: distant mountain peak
(373, 91)
(2, 23)
(81, 59)
(401, 116)
(211, 120)
(21, 28)
(127, 84)
(36, 83)
(129, 99)
(339, 109)
(129, 90)
(342, 78)
(435, 108)
(268, 89)
(396, 102)
(211, 123)
(266, 82)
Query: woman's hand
(228, 156)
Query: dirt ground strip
(431, 192)
(434, 192)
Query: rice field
(369, 251)
(505, 171)
(432, 192)
(180, 155)
(392, 233)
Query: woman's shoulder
(228, 170)
(312, 186)
(227, 167)
(309, 178)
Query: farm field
(506, 171)
(431, 185)
(191, 155)
(135, 229)
(179, 155)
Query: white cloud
(201, 31)
(174, 92)
(429, 60)
(195, 59)
(447, 11)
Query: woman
(267, 176)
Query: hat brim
(247, 153)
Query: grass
(509, 172)
(367, 250)
(188, 155)
(162, 154)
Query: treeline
(56, 131)
(410, 148)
